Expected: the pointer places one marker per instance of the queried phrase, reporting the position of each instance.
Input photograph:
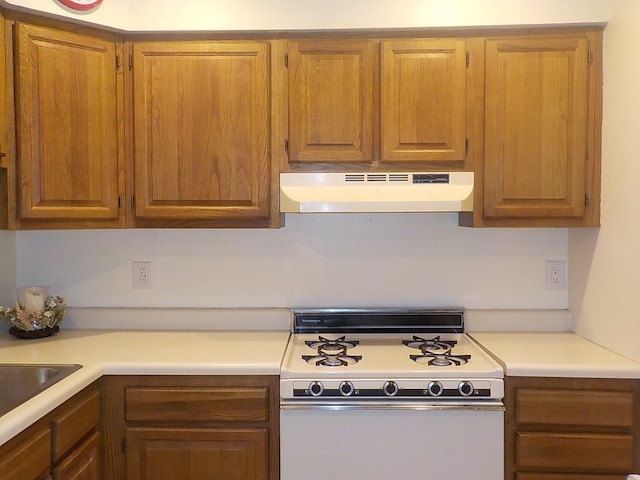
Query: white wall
(315, 260)
(313, 14)
(326, 260)
(7, 268)
(605, 273)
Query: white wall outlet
(141, 275)
(555, 275)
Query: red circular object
(81, 4)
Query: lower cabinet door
(157, 453)
(81, 464)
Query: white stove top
(386, 356)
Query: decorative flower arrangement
(37, 318)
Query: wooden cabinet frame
(172, 411)
(571, 428)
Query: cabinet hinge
(589, 55)
(119, 201)
(123, 445)
(466, 146)
(286, 146)
(467, 56)
(286, 60)
(130, 60)
(586, 199)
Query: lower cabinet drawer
(569, 452)
(68, 428)
(564, 476)
(186, 404)
(29, 460)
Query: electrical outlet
(142, 275)
(555, 275)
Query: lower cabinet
(63, 445)
(191, 427)
(571, 428)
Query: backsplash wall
(316, 260)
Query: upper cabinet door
(67, 126)
(201, 127)
(332, 103)
(536, 127)
(423, 100)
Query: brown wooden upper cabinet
(542, 130)
(423, 100)
(67, 128)
(332, 100)
(377, 101)
(201, 128)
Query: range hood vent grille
(376, 177)
(311, 192)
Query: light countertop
(555, 354)
(211, 352)
(259, 352)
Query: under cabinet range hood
(380, 192)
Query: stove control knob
(390, 388)
(465, 388)
(316, 389)
(435, 389)
(346, 389)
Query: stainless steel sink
(20, 382)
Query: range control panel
(440, 388)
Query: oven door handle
(480, 406)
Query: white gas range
(372, 385)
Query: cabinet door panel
(201, 130)
(423, 91)
(216, 454)
(536, 117)
(331, 100)
(67, 125)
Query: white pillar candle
(33, 300)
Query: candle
(33, 300)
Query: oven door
(391, 441)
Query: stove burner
(445, 359)
(432, 345)
(326, 346)
(326, 360)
